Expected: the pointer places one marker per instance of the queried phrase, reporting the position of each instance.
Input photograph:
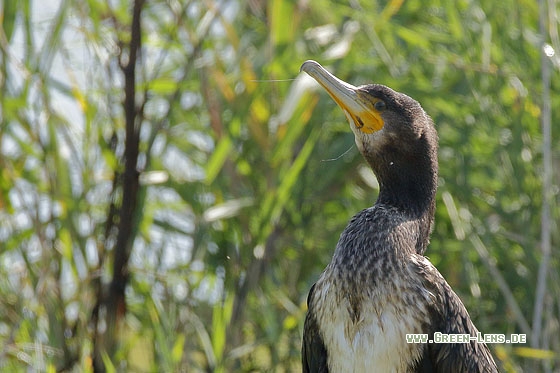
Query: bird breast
(367, 332)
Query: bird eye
(380, 105)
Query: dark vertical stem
(130, 182)
(113, 305)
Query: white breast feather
(376, 342)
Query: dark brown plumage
(379, 287)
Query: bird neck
(410, 189)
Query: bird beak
(355, 103)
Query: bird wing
(314, 354)
(449, 316)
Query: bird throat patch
(367, 122)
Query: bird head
(391, 130)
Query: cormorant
(379, 286)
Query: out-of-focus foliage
(248, 173)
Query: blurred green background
(171, 187)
